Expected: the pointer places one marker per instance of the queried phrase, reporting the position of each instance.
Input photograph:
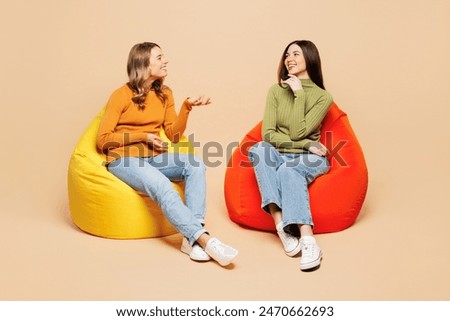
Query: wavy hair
(312, 61)
(138, 69)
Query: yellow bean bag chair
(103, 205)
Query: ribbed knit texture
(292, 120)
(124, 127)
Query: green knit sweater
(292, 120)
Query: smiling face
(158, 64)
(295, 62)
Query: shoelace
(308, 249)
(216, 246)
(288, 239)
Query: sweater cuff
(299, 93)
(141, 137)
(187, 105)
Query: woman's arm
(285, 142)
(174, 126)
(307, 122)
(269, 128)
(107, 137)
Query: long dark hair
(139, 71)
(312, 61)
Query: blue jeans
(283, 179)
(154, 176)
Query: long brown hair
(139, 71)
(312, 61)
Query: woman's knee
(260, 147)
(287, 170)
(125, 167)
(194, 164)
(259, 151)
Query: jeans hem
(265, 206)
(298, 222)
(196, 236)
(201, 221)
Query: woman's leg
(149, 175)
(294, 176)
(190, 169)
(266, 160)
(141, 175)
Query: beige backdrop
(385, 62)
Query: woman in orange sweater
(136, 154)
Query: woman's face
(295, 62)
(158, 64)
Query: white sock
(309, 239)
(279, 226)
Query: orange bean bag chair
(336, 197)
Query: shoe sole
(223, 262)
(295, 251)
(311, 265)
(193, 258)
(215, 249)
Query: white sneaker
(291, 243)
(311, 253)
(220, 252)
(195, 252)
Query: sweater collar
(307, 83)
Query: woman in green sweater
(291, 156)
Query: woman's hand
(157, 143)
(293, 82)
(318, 149)
(199, 100)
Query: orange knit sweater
(124, 127)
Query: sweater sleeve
(269, 128)
(107, 136)
(289, 144)
(283, 141)
(175, 125)
(306, 122)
